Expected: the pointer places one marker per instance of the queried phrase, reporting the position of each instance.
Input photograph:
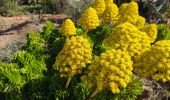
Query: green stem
(67, 38)
(68, 82)
(94, 93)
(85, 33)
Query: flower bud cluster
(151, 30)
(99, 6)
(156, 62)
(89, 19)
(127, 37)
(112, 70)
(75, 54)
(68, 28)
(110, 14)
(108, 2)
(129, 13)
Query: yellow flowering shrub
(110, 14)
(75, 54)
(89, 19)
(99, 6)
(68, 28)
(156, 62)
(151, 30)
(128, 38)
(104, 59)
(112, 70)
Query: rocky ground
(15, 28)
(13, 31)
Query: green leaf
(10, 77)
(163, 32)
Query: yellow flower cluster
(99, 6)
(140, 22)
(129, 13)
(108, 2)
(89, 19)
(110, 14)
(112, 70)
(68, 28)
(75, 54)
(151, 30)
(156, 62)
(128, 38)
(133, 6)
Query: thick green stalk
(68, 82)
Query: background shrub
(9, 8)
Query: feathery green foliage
(163, 32)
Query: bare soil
(16, 28)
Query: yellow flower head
(123, 9)
(68, 28)
(128, 38)
(151, 30)
(129, 13)
(112, 70)
(110, 13)
(75, 54)
(99, 6)
(108, 2)
(133, 8)
(89, 19)
(129, 9)
(140, 22)
(156, 62)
